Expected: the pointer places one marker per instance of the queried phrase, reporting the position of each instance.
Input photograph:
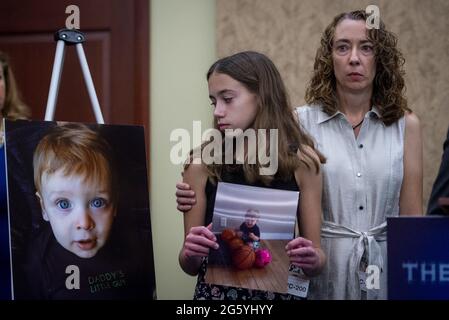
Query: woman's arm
(185, 197)
(410, 201)
(440, 187)
(305, 251)
(198, 238)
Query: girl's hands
(303, 254)
(199, 241)
(185, 197)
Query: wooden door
(116, 47)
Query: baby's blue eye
(63, 204)
(98, 203)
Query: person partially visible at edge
(11, 104)
(12, 108)
(440, 188)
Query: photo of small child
(75, 184)
(79, 211)
(252, 226)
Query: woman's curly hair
(388, 85)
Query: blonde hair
(261, 77)
(14, 108)
(75, 149)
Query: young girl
(247, 92)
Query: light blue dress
(361, 186)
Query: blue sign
(418, 258)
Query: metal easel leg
(69, 37)
(89, 83)
(55, 80)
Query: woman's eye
(367, 48)
(98, 203)
(342, 48)
(227, 100)
(63, 204)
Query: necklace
(358, 124)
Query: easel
(70, 37)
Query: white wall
(182, 49)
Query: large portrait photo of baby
(79, 211)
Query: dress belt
(367, 242)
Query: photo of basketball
(235, 243)
(244, 257)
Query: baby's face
(250, 222)
(80, 213)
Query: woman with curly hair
(359, 117)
